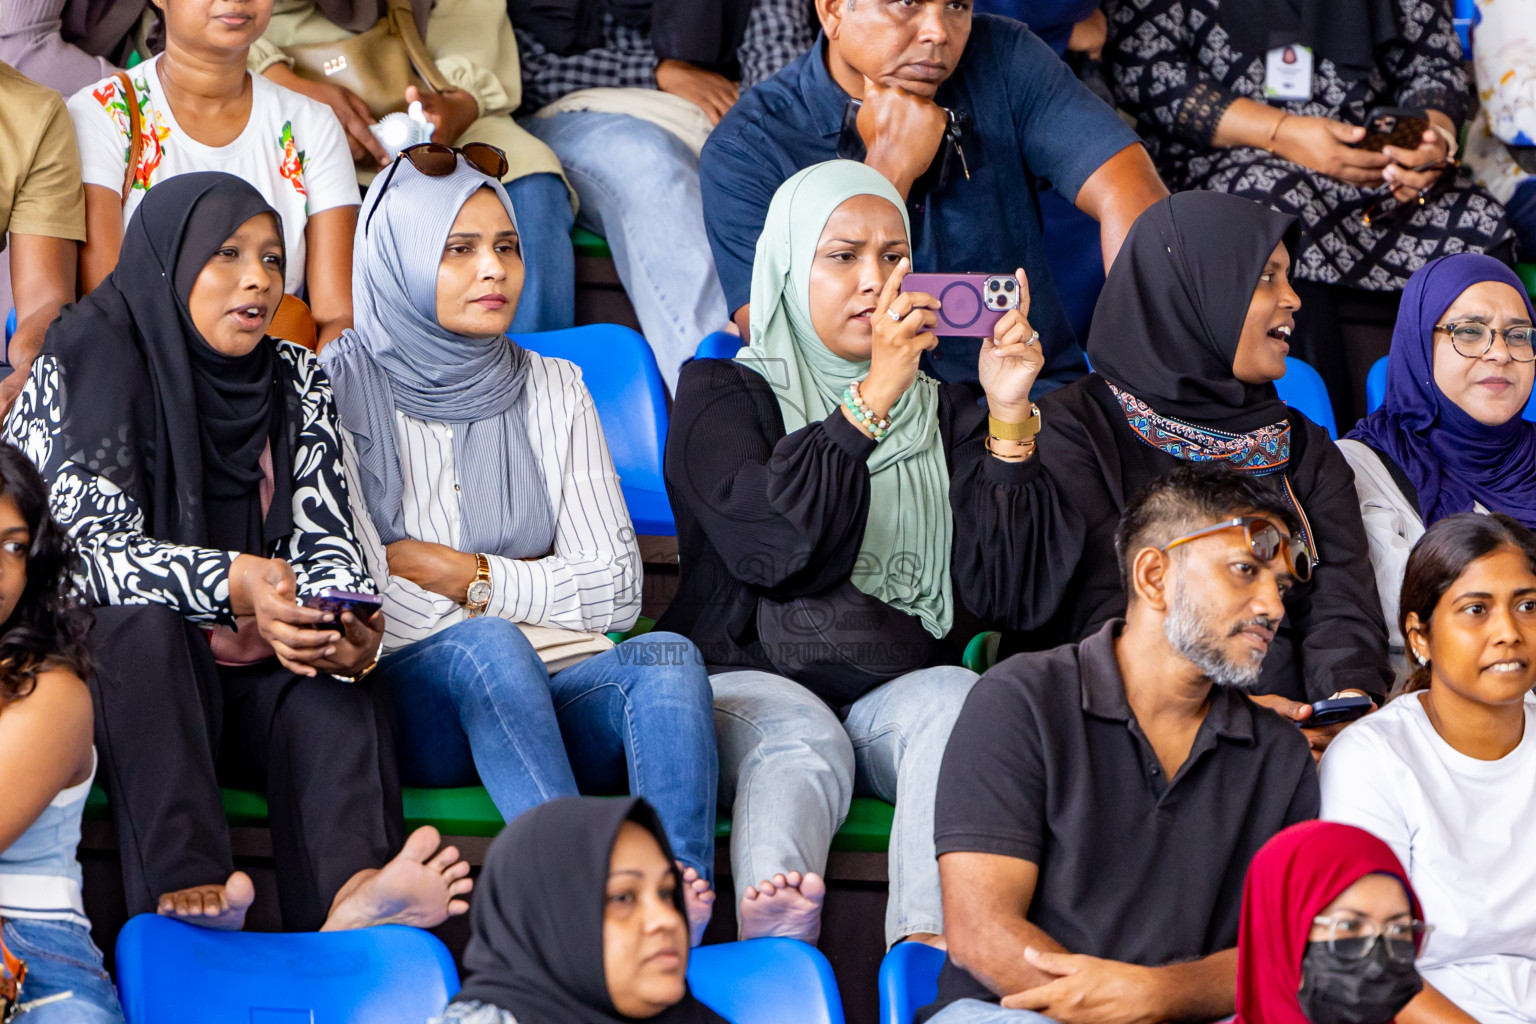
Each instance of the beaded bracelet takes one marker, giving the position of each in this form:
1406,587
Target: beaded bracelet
852,401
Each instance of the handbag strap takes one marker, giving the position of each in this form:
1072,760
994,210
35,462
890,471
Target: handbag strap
135,133
402,18
14,975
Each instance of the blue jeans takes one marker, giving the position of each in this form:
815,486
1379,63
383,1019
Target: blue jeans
66,982
544,219
474,699
974,1011
790,770
639,188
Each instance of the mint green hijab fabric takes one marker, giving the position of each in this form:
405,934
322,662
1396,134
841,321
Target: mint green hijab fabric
904,559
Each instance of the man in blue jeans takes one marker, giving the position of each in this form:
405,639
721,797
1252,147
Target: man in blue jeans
963,114
638,182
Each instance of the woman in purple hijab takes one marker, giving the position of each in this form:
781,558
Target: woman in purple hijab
1450,436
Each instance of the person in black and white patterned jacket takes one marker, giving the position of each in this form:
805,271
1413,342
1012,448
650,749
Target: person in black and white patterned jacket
197,466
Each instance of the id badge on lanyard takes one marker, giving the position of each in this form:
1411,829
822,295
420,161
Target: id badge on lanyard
1288,73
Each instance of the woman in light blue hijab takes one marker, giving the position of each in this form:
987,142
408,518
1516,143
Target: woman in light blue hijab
493,516
837,509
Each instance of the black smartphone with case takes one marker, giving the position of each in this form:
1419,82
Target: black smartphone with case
337,601
1338,709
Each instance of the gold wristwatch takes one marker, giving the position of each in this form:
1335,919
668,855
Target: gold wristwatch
479,593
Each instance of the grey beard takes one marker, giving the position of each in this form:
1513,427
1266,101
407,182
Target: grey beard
1197,641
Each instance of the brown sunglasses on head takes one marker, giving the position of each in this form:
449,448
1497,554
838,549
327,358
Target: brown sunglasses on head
1264,540
436,160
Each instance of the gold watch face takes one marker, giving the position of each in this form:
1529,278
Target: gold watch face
479,592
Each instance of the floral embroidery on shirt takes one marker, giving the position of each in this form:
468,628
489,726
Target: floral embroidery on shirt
292,165
152,129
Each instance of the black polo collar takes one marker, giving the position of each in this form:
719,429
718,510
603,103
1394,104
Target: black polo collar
1230,715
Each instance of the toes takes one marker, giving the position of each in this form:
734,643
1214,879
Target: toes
420,844
795,878
461,887
814,887
750,894
239,890
446,856
780,881
457,907
456,870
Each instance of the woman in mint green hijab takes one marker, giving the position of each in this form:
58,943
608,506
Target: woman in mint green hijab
838,513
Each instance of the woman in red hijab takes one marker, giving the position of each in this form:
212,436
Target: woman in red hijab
1330,930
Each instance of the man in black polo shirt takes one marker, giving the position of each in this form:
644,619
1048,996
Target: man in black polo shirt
965,116
1099,803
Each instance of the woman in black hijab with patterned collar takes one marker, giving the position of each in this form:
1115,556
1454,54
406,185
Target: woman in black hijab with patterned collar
579,919
195,462
1188,337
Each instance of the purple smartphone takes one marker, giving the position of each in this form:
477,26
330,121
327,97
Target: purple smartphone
970,305
337,601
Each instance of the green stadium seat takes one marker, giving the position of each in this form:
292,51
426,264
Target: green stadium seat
1527,272
468,811
588,244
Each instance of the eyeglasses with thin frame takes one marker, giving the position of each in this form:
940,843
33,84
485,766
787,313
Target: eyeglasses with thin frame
1353,938
436,160
1472,340
1264,540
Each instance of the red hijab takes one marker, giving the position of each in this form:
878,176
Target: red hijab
1292,878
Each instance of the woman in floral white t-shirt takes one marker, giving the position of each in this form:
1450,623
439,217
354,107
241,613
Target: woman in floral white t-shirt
200,110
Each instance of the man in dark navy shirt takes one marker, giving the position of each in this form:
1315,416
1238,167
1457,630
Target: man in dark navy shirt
1099,803
965,116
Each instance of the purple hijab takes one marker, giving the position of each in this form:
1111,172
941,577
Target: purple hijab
1452,459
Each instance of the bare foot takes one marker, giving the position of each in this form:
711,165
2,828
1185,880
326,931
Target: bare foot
788,906
212,906
699,900
927,939
416,888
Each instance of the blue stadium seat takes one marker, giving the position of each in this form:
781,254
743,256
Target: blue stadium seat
719,345
1376,390
1376,385
909,981
1302,389
174,973
10,324
631,400
1465,15
765,981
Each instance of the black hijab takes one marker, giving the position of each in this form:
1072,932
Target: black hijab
155,409
1346,32
536,927
702,32
1168,321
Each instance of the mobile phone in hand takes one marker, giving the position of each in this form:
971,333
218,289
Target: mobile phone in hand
1402,127
337,601
970,305
1338,709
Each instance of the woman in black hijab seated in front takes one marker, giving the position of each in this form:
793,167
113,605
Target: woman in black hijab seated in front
1188,338
196,465
579,919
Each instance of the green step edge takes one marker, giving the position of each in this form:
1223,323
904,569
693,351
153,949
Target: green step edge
468,811
588,244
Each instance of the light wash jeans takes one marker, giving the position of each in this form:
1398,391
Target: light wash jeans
544,219
639,188
66,982
789,770
974,1011
475,699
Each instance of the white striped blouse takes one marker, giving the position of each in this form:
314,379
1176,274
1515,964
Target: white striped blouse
589,582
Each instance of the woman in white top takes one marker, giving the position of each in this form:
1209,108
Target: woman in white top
1449,436
46,760
1446,773
484,489
201,110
